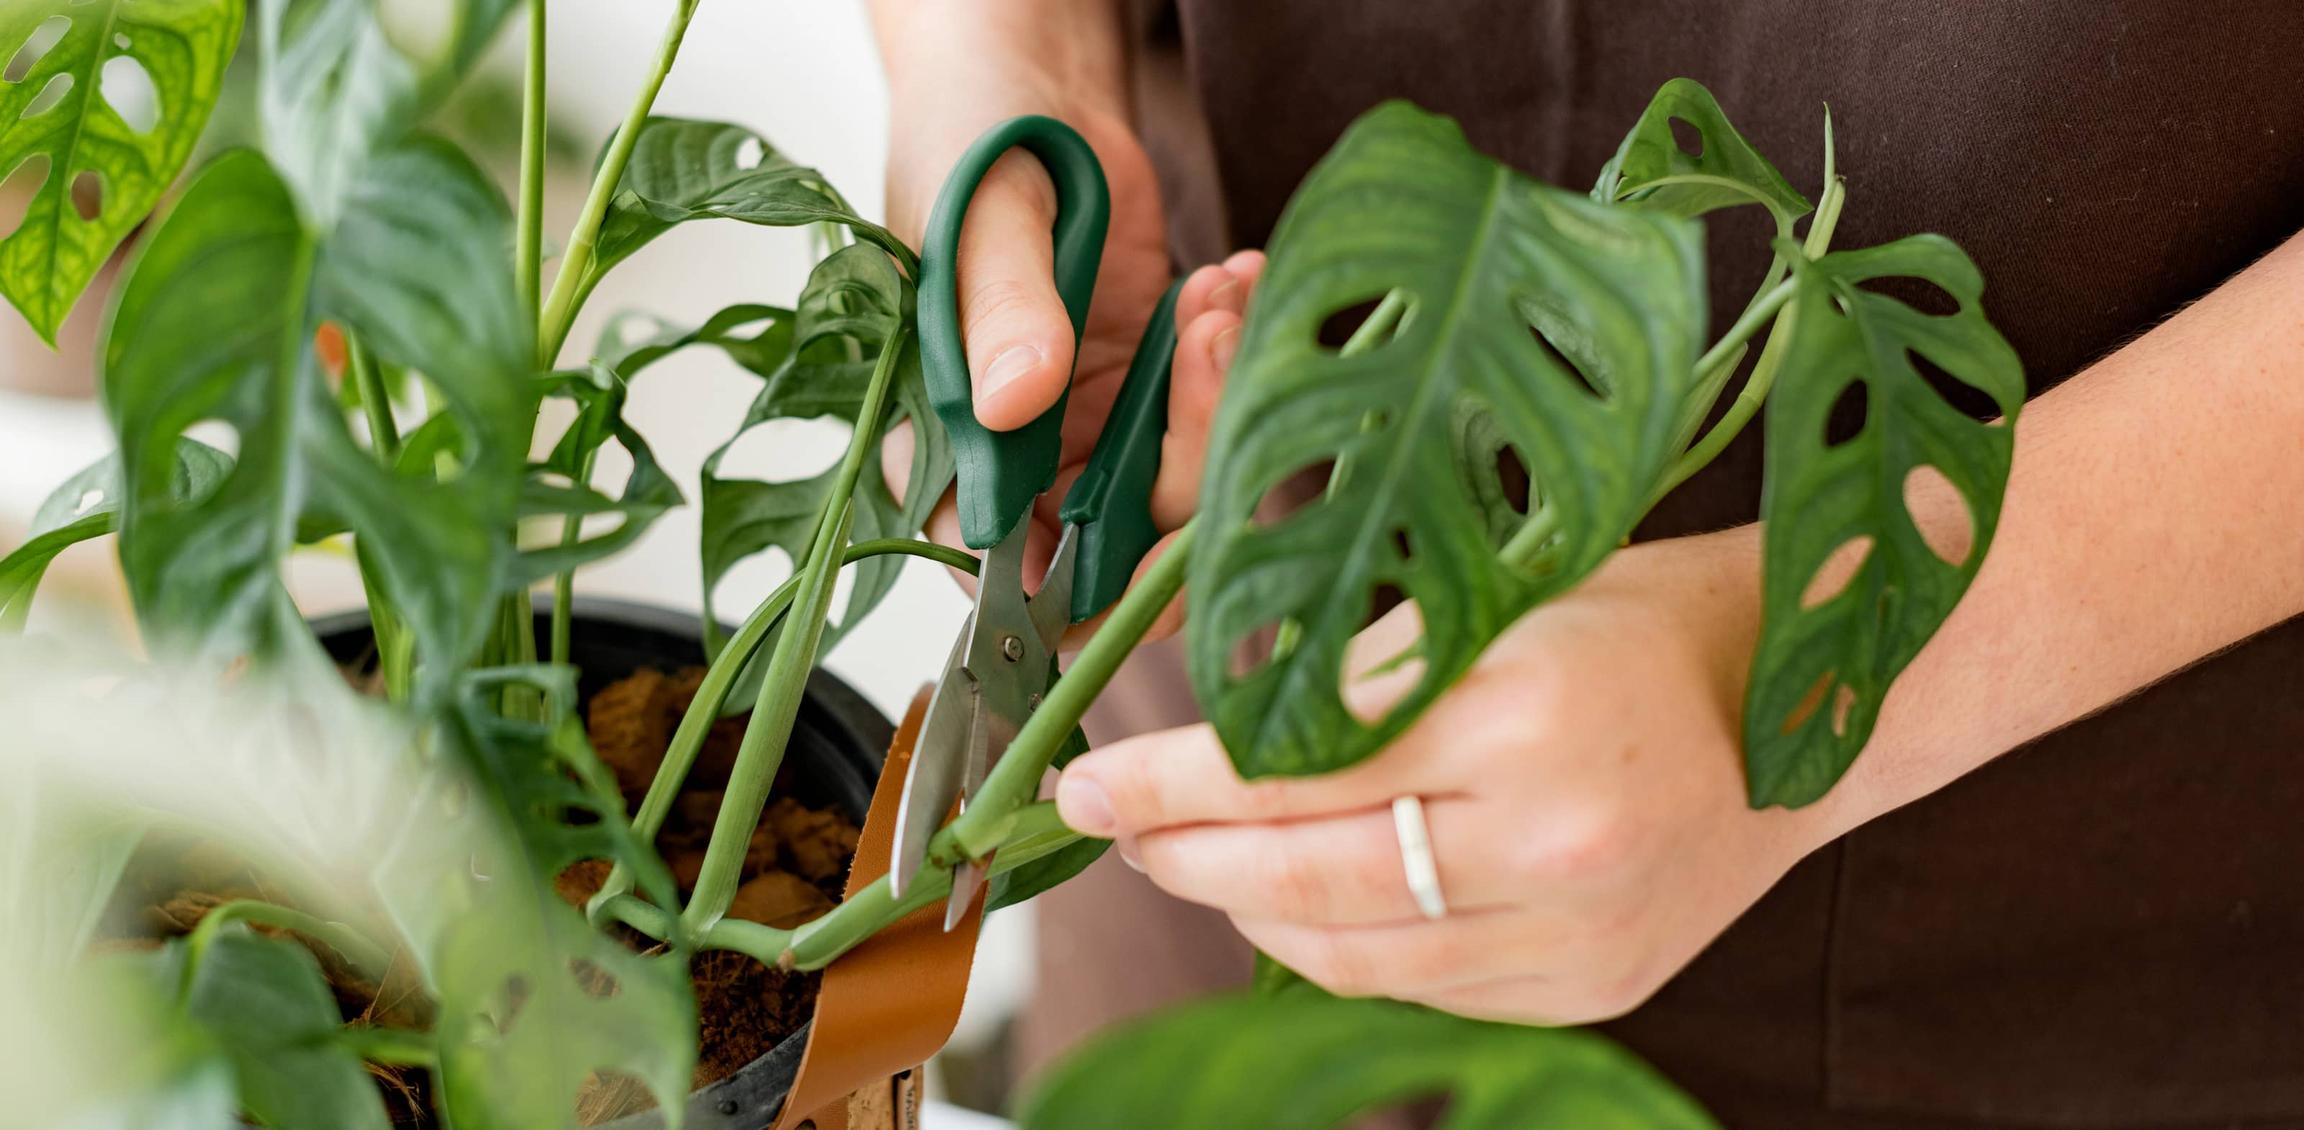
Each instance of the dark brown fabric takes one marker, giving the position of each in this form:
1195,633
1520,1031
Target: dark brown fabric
2105,929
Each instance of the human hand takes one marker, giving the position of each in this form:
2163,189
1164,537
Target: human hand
1581,783
1018,336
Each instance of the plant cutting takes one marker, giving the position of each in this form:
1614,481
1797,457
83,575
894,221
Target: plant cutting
1520,374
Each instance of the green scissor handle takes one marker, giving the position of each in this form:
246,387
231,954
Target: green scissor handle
1001,472
1111,501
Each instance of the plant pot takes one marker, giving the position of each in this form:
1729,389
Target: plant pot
837,748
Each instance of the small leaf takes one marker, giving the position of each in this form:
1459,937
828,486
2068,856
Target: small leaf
87,505
683,170
1571,326
1652,169
648,491
1303,1060
264,1001
181,47
1825,660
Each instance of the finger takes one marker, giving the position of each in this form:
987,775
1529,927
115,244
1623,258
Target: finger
896,459
1419,958
1196,383
1170,619
1542,1001
1183,776
1209,288
1330,871
1019,338
1248,267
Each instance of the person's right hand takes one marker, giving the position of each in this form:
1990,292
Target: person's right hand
1018,336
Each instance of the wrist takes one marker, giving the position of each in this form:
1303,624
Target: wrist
1064,54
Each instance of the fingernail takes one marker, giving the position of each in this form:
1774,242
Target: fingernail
1084,806
1127,849
1223,347
1226,295
1016,361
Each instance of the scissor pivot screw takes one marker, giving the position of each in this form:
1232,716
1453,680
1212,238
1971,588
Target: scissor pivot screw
1012,648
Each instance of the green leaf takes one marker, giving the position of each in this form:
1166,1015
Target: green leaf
854,299
1825,660
210,325
532,999
334,90
683,170
181,47
648,492
265,1002
215,322
416,268
1308,1061
87,505
1572,326
1652,169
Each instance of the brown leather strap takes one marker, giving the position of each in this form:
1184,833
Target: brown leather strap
891,1002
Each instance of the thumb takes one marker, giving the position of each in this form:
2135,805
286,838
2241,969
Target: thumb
1019,337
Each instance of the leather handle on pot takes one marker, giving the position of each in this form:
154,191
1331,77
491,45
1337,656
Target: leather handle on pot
890,1003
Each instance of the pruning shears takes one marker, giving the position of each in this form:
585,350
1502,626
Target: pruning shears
1004,658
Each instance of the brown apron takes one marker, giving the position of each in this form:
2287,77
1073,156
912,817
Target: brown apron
2102,929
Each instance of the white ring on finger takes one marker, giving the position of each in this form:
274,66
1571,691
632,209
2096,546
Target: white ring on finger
1416,856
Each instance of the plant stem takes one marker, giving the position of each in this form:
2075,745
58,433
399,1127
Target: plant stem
365,956
397,1046
1015,779
564,582
383,430
1776,305
528,249
778,705
704,709
576,261
1035,832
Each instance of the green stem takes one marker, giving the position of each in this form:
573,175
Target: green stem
564,582
1035,833
1775,305
704,709
576,261
397,1046
369,959
383,430
778,705
528,250
394,647
1015,779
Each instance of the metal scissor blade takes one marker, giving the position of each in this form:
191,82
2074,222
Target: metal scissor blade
940,760
967,879
1051,607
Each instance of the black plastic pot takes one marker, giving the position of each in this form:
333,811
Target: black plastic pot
837,748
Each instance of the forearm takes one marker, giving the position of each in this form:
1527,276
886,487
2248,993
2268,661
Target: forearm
1073,44
2150,521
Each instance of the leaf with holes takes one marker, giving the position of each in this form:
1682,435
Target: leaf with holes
1572,325
264,1002
1651,167
683,170
103,103
532,999
1303,1060
853,301
648,492
1826,658
215,321
88,506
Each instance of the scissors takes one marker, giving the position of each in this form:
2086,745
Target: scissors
1004,658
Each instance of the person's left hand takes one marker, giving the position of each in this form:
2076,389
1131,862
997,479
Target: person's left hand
1582,787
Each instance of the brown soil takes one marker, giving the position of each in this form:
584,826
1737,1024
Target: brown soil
793,871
